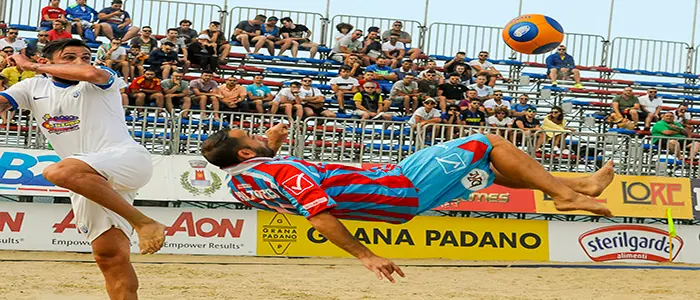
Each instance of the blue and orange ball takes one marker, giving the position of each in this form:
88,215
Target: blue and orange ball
533,34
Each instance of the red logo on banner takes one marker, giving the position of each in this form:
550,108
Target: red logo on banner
629,242
14,224
204,227
66,223
494,198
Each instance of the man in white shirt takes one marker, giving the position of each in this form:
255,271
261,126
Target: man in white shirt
483,66
312,100
483,91
288,100
652,104
681,115
13,41
394,50
80,111
497,101
427,114
342,85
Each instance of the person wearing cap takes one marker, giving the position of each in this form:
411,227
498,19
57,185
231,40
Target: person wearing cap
116,23
529,124
272,37
180,46
369,103
299,35
163,59
215,34
427,114
249,31
203,52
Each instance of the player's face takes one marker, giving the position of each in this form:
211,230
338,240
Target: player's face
253,143
72,55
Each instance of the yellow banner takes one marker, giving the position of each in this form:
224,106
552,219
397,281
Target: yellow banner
635,196
422,237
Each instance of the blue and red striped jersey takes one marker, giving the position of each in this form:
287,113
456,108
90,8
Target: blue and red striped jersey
291,185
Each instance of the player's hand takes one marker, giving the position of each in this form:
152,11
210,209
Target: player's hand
278,132
382,267
20,61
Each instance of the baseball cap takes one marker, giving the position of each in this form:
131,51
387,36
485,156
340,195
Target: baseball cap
429,100
531,109
203,37
273,18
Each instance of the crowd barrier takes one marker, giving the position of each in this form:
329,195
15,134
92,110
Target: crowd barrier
652,55
414,28
47,227
314,21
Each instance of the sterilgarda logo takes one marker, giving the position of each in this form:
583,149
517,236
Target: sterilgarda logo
279,233
522,30
628,242
60,124
198,181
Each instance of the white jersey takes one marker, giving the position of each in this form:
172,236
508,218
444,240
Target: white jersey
77,119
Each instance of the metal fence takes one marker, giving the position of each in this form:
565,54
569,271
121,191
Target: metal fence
587,50
314,21
652,55
414,28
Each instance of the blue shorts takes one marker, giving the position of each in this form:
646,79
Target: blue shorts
450,170
119,33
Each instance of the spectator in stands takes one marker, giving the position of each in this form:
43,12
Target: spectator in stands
405,92
312,100
177,93
349,45
452,115
163,59
372,46
147,86
471,96
483,91
9,116
52,13
427,87
652,105
465,73
59,31
259,95
179,46
369,103
113,56
116,23
288,99
203,52
393,49
426,114
472,116
451,92
561,65
3,83
482,66
217,36
355,63
404,37
36,45
432,65
300,35
186,33
529,125
500,118
555,125
3,58
14,74
17,44
250,31
368,76
518,109
82,16
681,115
458,59
667,128
145,43
344,30
627,105
204,90
272,37
342,85
382,71
232,95
136,59
497,101
405,69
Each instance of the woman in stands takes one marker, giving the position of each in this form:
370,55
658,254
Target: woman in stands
555,125
343,30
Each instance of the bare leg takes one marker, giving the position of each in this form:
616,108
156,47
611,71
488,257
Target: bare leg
513,163
111,252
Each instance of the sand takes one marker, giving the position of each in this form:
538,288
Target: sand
50,275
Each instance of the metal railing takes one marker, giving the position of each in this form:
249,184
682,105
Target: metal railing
314,21
652,55
414,28
587,50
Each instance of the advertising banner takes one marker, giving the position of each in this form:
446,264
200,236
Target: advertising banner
635,196
423,237
196,179
494,198
695,194
51,227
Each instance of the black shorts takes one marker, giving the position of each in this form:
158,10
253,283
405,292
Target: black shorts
317,111
249,106
642,114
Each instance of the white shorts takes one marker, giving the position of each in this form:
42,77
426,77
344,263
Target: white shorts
127,169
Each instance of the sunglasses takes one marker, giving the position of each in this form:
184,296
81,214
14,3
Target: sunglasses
561,49
307,80
43,35
12,33
146,31
530,110
483,55
497,95
555,112
397,25
430,103
369,88
9,51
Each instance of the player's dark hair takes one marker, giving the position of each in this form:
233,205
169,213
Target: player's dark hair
221,150
59,45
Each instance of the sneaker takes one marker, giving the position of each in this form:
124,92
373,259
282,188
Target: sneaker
566,152
554,83
578,86
378,116
556,150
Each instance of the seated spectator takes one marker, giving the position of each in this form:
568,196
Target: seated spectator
500,118
259,95
627,105
481,66
52,13
530,125
652,106
136,59
300,35
179,46
472,116
163,59
556,130
223,48
518,109
204,90
36,45
681,115
343,29
115,23
8,117
203,52
272,37
458,59
406,68
4,57
561,66
405,92
355,63
113,56
427,87
370,104
451,92
14,74
147,86
11,40
372,45
667,129
177,94
426,114
83,17
231,95
471,96
349,45
431,65
288,99
145,42
368,76
186,33
404,37
3,83
312,100
497,101
342,85
465,74
393,49
382,71
483,91
59,31
452,116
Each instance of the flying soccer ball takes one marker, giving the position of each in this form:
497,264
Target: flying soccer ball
533,34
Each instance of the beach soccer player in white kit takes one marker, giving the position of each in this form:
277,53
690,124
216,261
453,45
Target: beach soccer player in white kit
78,108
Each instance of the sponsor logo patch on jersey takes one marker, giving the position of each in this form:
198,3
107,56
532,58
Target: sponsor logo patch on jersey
61,124
476,180
297,184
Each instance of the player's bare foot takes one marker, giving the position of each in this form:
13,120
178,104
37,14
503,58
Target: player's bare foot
598,182
151,237
582,202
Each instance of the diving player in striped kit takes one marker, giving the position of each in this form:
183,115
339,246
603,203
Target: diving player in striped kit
324,193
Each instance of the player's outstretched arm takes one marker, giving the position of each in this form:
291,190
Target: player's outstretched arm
76,72
334,231
276,136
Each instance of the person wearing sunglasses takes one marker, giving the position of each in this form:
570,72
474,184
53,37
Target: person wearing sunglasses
497,101
652,105
403,37
36,45
12,40
556,130
313,101
529,124
116,23
681,115
481,66
369,103
561,65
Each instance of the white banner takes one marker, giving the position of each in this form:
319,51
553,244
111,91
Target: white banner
51,227
601,242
